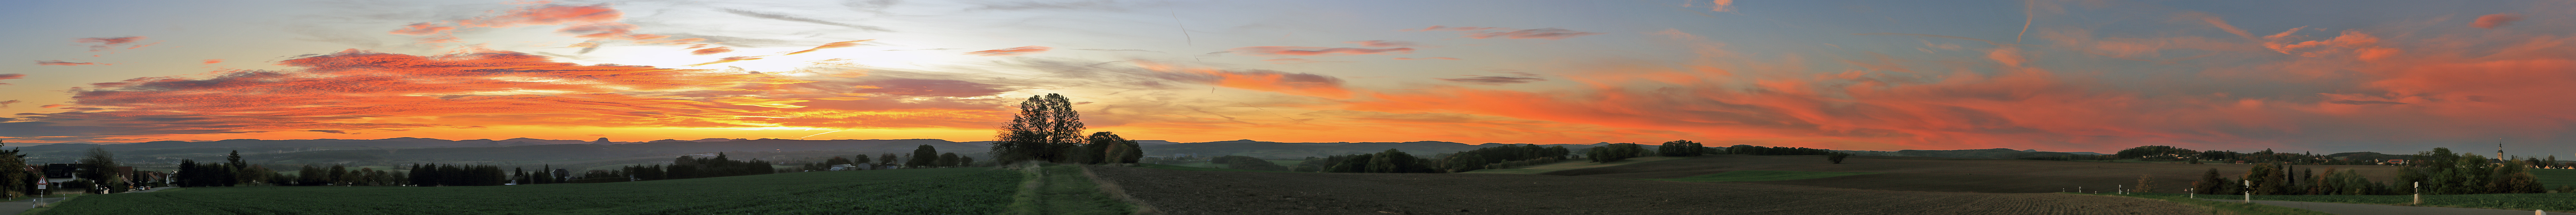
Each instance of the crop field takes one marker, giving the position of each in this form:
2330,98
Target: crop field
2522,201
1172,167
910,191
1571,164
1063,190
2555,177
1761,175
1246,193
1949,175
2220,207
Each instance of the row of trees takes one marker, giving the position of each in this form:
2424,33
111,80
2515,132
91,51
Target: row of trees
1614,152
1049,130
1681,148
1501,157
312,175
1389,161
2439,171
434,175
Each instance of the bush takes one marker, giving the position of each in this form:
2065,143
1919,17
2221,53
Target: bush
1837,157
1614,152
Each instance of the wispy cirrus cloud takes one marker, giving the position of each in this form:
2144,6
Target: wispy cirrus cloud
1013,51
62,63
1384,43
2495,20
840,44
1314,51
105,43
1493,80
791,18
1508,33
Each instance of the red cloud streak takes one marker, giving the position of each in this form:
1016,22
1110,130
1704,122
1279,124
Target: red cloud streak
2495,20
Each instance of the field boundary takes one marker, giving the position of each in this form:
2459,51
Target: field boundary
1118,192
1032,178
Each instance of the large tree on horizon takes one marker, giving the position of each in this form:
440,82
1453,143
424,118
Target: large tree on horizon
1046,127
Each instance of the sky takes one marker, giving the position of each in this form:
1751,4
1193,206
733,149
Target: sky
2297,76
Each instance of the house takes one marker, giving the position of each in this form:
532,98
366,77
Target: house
842,167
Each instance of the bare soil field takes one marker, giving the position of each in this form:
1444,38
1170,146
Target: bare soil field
1214,192
1953,174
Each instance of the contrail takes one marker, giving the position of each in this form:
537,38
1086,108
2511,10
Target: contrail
2026,17
826,132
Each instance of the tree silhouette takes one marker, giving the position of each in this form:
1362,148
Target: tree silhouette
1680,148
923,156
1044,129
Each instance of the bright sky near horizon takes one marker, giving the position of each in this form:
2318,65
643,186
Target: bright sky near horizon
2324,76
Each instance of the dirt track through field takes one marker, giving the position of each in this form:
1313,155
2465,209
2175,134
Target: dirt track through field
1211,192
1954,175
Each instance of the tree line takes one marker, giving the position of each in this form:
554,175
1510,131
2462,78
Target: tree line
1389,161
2439,171
1503,157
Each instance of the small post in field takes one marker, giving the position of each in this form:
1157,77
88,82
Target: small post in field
2419,192
2249,191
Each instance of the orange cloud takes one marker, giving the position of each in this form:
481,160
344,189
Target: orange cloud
61,63
1383,43
1262,80
422,29
213,61
1013,51
105,43
7,76
1314,51
831,45
709,51
728,60
1297,61
546,14
2495,20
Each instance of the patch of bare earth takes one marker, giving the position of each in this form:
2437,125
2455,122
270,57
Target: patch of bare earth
1953,175
1210,192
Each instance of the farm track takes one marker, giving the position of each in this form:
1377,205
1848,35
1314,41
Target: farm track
1952,175
1212,192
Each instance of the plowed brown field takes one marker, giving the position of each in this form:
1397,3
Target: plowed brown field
1952,175
1212,192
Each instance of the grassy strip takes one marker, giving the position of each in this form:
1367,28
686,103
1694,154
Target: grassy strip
1171,167
2520,202
906,191
2552,178
1759,175
2218,207
1063,189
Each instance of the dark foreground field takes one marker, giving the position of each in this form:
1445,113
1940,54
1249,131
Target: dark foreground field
908,191
1952,175
1215,192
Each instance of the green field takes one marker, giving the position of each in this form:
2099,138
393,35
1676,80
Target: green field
909,191
1759,175
2525,201
2219,207
1572,164
1064,190
2555,177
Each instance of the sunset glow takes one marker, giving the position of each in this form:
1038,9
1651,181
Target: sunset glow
2397,76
